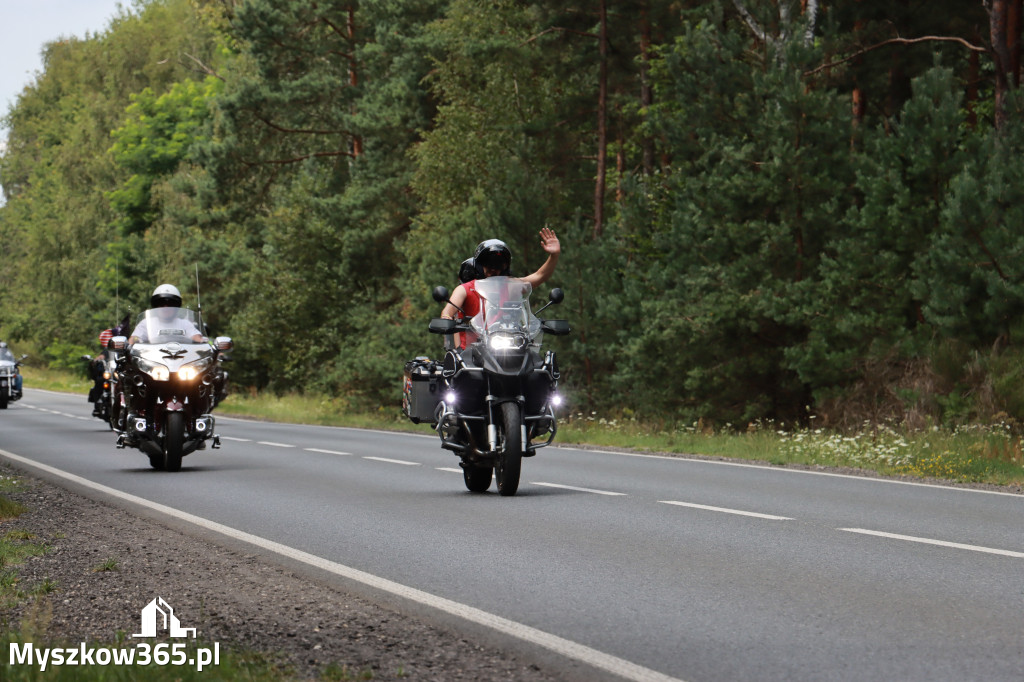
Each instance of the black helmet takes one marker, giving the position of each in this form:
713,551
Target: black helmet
165,295
492,253
467,271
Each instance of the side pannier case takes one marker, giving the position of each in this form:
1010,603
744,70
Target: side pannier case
422,390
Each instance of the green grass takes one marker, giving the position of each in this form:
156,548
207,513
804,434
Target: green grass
304,409
975,454
978,454
15,546
10,509
55,380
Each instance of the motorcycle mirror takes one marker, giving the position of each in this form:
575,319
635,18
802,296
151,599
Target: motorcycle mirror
118,342
223,343
87,358
440,294
556,296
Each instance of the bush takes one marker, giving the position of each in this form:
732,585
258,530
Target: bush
67,356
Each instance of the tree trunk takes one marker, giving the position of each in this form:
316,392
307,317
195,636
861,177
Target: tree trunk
998,18
602,124
646,94
353,73
1013,27
973,67
857,97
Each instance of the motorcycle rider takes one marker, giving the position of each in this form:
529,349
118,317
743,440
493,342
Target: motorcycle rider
97,366
166,299
493,258
6,354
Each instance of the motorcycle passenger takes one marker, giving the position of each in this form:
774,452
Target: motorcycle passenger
166,299
493,258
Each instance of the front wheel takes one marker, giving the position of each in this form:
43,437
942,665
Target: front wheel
174,441
510,459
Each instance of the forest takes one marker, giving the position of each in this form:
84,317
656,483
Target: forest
768,209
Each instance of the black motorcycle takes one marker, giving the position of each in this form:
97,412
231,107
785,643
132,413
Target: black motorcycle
102,370
167,387
493,402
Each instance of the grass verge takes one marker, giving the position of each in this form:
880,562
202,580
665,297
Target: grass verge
973,454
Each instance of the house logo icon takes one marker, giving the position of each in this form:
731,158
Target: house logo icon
158,614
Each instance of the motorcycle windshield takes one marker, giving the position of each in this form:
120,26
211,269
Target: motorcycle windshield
6,355
167,325
505,308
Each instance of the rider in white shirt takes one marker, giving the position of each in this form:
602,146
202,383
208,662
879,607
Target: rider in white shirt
166,300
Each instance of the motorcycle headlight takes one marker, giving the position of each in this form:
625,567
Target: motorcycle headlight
193,369
507,342
154,369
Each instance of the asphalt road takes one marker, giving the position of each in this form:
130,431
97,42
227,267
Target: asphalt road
687,569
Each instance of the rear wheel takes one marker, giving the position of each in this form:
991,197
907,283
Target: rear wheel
478,479
174,441
510,459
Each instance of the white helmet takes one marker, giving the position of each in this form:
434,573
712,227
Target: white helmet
165,295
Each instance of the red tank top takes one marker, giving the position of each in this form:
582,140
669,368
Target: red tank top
472,304
471,307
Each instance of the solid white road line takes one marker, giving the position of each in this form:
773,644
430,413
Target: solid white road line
559,645
327,452
724,510
393,461
572,487
784,471
940,543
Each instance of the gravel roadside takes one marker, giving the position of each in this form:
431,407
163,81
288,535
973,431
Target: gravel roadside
232,597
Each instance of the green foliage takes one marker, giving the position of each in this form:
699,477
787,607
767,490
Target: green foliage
741,224
67,356
764,252
56,172
972,269
156,137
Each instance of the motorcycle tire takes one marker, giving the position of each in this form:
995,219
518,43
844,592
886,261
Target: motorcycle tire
510,459
4,398
478,479
174,441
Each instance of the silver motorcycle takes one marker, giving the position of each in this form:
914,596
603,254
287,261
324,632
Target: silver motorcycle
10,377
168,385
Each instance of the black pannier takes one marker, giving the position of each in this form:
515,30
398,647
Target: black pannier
422,390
